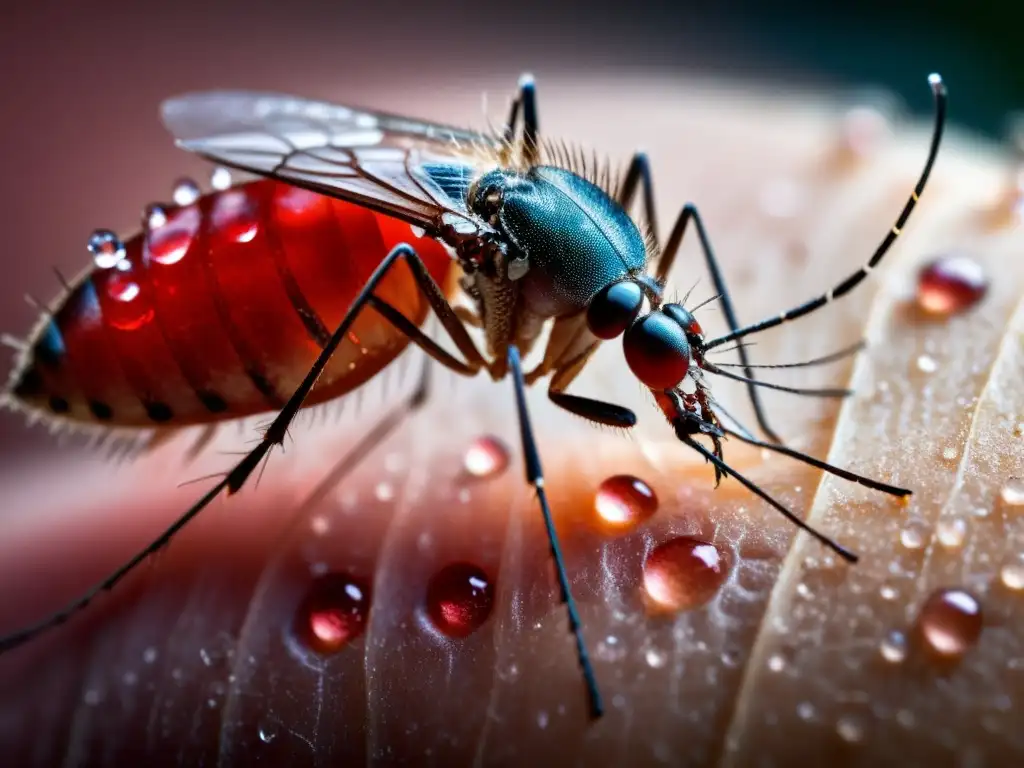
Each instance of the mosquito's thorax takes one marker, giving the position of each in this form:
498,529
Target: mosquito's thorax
565,238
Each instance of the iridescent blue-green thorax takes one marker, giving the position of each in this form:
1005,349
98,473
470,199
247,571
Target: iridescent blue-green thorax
575,237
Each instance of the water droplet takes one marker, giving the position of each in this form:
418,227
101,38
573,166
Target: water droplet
384,491
906,718
542,719
486,457
950,622
154,216
267,731
683,573
1012,492
776,662
805,710
1012,573
950,284
106,249
333,612
205,656
914,534
949,453
220,179
92,697
849,729
950,531
610,649
235,216
185,192
887,592
459,599
319,525
655,658
149,655
927,364
122,288
624,501
894,647
169,243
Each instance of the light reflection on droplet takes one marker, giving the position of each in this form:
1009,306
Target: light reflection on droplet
149,655
1012,573
220,178
487,456
927,364
624,501
267,731
914,534
950,284
106,249
776,662
951,531
655,658
683,573
333,613
459,599
185,192
1012,492
894,647
849,729
951,622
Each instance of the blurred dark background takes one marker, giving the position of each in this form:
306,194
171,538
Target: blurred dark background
81,145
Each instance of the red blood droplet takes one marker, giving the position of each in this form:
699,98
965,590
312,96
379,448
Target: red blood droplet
684,572
624,501
459,599
950,284
333,612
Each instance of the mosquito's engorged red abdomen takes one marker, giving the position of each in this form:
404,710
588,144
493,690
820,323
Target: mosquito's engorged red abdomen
220,311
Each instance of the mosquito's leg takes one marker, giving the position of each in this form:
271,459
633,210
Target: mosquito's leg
274,435
524,106
535,477
851,282
639,172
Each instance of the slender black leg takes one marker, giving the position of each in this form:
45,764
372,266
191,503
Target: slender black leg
525,106
597,411
535,477
274,435
639,172
851,282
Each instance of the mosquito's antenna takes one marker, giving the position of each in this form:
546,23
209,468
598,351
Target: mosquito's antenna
751,486
735,347
824,360
851,282
853,477
712,368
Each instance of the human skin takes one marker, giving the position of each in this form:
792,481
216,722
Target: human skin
190,661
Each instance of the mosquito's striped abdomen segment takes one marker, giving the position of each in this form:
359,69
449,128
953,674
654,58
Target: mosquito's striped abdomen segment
219,311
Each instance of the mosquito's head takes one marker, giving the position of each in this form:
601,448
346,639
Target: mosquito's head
660,345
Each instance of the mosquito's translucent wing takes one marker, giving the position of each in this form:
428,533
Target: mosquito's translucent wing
410,169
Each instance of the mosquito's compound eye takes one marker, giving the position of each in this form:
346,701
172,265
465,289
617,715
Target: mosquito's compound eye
657,351
614,309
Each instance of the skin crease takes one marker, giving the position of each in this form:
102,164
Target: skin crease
190,660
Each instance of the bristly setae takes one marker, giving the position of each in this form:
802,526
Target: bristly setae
542,236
